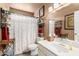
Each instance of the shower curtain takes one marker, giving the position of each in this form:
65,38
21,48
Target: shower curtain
24,30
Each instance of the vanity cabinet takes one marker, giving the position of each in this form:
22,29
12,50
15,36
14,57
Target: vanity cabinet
42,51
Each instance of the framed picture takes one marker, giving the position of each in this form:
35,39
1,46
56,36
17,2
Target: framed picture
69,22
41,11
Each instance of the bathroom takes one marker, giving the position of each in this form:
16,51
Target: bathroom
39,29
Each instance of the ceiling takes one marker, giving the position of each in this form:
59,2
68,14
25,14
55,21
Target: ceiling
30,7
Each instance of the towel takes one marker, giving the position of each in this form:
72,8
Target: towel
5,32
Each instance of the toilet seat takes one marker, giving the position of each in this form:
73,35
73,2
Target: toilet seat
32,46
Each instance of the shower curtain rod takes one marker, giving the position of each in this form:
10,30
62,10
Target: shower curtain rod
22,14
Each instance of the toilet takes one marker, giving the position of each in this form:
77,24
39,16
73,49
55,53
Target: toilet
33,48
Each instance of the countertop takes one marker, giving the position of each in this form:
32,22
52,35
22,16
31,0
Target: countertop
54,47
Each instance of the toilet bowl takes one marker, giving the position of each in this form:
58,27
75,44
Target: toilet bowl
33,48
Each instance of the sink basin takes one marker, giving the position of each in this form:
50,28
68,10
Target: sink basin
60,48
64,48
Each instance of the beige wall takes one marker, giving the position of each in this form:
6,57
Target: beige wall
21,12
29,7
5,6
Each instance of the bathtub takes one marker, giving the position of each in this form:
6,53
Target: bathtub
57,48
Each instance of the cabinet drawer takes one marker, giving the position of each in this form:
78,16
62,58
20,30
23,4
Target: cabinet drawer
45,51
40,53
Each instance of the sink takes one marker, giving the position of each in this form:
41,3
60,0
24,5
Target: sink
67,48
60,48
64,48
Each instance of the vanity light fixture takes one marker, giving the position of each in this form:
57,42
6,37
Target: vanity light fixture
58,6
50,9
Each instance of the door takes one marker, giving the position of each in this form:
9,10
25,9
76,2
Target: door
76,26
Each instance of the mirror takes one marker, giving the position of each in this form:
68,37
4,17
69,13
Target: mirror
56,28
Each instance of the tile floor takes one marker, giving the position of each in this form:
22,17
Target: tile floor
24,54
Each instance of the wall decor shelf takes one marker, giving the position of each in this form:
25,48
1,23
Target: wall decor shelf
41,27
